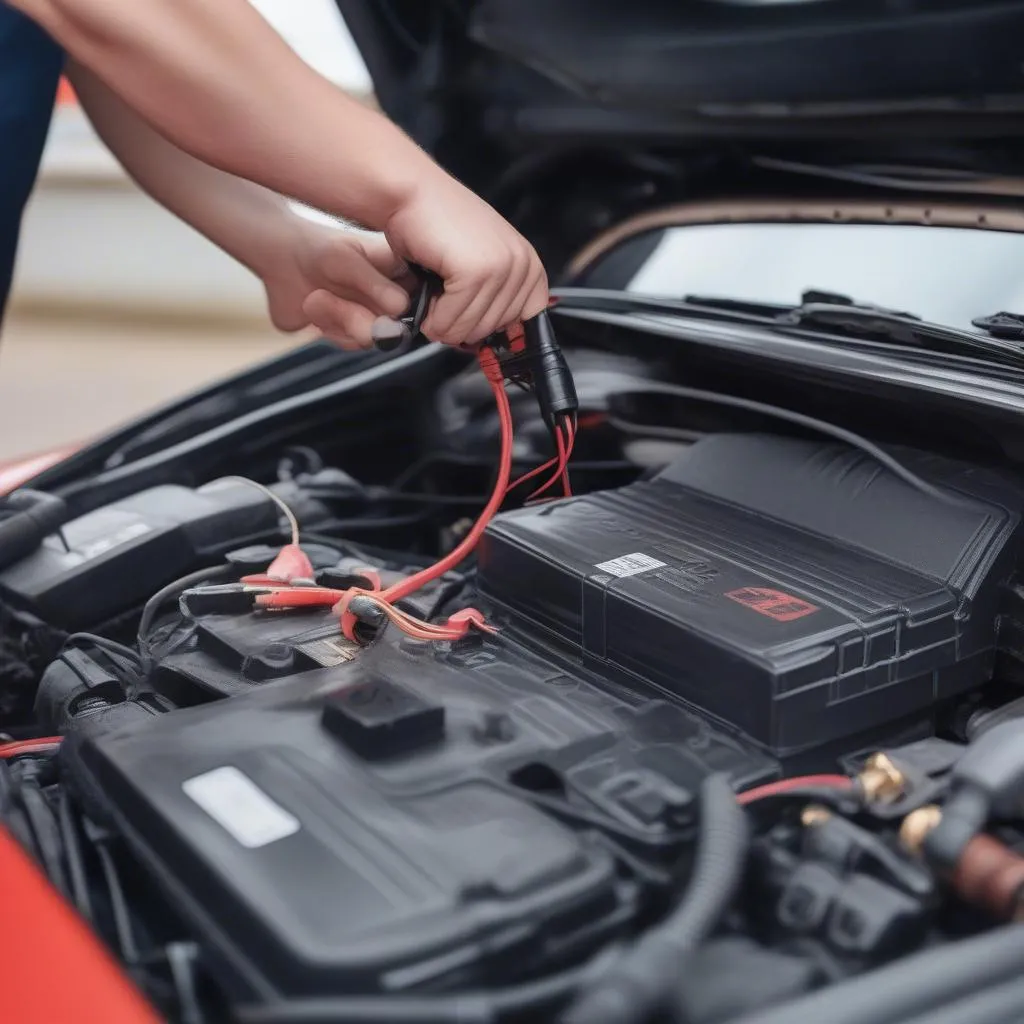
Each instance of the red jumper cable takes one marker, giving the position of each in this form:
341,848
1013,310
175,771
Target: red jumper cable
528,355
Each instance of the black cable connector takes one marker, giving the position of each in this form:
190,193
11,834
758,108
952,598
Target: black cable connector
550,373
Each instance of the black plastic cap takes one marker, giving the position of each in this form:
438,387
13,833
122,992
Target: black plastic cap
552,378
380,719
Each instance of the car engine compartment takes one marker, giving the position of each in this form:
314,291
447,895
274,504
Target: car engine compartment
747,731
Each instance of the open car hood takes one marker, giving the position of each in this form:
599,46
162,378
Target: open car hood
704,68
568,115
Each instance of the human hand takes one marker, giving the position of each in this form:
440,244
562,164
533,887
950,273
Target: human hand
339,281
492,275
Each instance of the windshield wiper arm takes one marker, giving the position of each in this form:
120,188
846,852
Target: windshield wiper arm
818,311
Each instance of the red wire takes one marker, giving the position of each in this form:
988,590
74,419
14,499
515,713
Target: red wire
570,430
36,746
564,450
286,597
536,471
556,476
492,370
841,782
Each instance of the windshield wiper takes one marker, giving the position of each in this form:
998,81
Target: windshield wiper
817,312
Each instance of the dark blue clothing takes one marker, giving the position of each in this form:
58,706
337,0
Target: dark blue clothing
30,68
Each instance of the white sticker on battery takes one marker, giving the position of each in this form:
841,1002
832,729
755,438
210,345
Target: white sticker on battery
240,807
630,565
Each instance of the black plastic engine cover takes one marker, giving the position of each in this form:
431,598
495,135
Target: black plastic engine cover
795,590
415,817
115,557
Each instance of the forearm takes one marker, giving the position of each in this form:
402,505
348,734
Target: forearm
246,220
219,82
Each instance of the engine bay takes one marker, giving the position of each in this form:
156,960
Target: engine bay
742,705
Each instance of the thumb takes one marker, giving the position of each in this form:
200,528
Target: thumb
350,324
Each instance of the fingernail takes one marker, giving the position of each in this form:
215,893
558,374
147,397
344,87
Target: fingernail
388,333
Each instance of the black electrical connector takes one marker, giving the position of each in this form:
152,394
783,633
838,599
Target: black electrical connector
552,379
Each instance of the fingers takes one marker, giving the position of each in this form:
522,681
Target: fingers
535,296
492,276
511,285
507,307
458,310
382,256
358,273
347,323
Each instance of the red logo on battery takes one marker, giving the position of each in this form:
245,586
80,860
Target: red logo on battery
775,604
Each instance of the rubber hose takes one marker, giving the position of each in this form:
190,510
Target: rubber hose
913,986
646,975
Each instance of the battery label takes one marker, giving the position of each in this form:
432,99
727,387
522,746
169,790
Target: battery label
630,565
240,807
774,604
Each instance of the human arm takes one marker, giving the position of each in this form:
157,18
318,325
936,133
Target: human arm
293,256
217,81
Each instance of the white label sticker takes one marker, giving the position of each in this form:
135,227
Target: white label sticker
630,565
238,805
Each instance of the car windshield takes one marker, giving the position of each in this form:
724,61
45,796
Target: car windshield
946,275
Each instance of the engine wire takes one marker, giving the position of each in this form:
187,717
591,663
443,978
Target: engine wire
284,594
73,855
42,745
834,782
492,371
156,602
286,511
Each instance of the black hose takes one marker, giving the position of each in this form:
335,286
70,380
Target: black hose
46,831
525,1001
119,909
645,976
984,721
73,855
911,987
121,655
156,602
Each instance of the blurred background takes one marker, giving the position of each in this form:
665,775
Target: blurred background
118,306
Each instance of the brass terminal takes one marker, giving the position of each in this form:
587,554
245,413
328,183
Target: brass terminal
814,814
916,827
881,781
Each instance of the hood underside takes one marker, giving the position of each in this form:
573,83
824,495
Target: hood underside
706,67
571,115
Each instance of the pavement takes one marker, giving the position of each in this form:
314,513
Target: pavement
66,381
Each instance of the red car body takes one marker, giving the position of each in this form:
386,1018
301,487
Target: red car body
16,472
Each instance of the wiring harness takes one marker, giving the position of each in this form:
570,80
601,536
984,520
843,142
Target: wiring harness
527,356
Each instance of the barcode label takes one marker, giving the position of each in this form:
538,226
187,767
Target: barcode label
240,807
630,565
